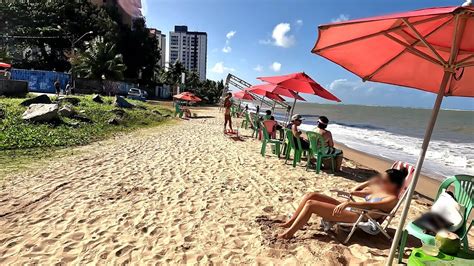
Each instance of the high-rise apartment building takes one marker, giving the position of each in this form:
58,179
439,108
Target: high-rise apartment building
161,38
190,49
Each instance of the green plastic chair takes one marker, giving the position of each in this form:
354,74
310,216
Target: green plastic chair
464,194
291,145
233,112
178,111
246,121
319,150
267,140
256,126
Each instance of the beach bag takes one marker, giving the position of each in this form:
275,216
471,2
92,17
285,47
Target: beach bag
447,207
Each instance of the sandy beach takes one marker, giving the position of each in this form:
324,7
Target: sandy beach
181,193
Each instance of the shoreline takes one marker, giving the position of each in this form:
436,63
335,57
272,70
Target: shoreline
426,186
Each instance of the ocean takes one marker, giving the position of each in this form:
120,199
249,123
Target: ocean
396,133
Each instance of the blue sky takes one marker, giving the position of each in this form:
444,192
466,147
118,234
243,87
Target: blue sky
252,38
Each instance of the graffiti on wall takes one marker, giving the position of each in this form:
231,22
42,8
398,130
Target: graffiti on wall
40,81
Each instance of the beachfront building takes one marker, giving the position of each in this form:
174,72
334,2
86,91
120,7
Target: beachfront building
189,48
130,10
161,38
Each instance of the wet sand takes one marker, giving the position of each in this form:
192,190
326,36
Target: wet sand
182,193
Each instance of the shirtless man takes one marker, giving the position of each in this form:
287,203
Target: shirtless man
227,116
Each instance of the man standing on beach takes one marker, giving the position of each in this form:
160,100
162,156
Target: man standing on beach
227,116
57,87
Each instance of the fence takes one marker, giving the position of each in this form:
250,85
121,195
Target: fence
106,87
40,81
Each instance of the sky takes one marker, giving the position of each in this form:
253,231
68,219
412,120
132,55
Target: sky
252,38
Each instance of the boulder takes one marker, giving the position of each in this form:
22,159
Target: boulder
96,98
71,100
122,103
114,121
43,98
82,118
39,112
66,111
119,112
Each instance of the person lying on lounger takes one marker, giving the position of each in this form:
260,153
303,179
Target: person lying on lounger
380,193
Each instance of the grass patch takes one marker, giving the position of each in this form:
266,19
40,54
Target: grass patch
17,134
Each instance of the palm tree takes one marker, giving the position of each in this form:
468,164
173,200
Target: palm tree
99,61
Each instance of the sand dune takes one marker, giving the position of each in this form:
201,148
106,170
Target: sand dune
177,194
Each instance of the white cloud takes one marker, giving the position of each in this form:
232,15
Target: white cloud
344,84
230,34
340,18
299,22
227,49
220,68
276,66
258,68
280,36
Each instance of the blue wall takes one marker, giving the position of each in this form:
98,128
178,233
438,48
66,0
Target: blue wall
40,81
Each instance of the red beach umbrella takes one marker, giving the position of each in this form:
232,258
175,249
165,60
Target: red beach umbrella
5,65
300,82
243,95
269,95
429,49
187,96
282,91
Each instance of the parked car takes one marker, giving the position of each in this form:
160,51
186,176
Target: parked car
137,94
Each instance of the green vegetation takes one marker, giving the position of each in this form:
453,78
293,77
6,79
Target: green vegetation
99,61
16,134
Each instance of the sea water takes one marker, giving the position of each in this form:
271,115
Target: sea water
396,133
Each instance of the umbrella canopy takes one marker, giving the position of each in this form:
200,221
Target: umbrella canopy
300,82
243,95
429,49
187,96
269,95
409,49
282,91
5,65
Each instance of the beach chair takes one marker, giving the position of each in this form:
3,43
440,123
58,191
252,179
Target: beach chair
178,111
246,121
291,145
256,133
464,194
366,214
270,126
268,140
319,150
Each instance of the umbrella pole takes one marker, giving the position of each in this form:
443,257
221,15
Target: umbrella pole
292,110
419,164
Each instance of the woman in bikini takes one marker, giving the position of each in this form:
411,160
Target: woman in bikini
381,193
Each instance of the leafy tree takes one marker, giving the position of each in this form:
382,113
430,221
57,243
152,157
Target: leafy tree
100,61
50,27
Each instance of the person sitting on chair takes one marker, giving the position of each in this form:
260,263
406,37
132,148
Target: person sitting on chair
296,121
321,129
380,193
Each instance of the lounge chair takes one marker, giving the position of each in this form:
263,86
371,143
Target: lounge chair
365,215
464,194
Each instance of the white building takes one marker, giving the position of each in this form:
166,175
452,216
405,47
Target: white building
190,49
161,38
